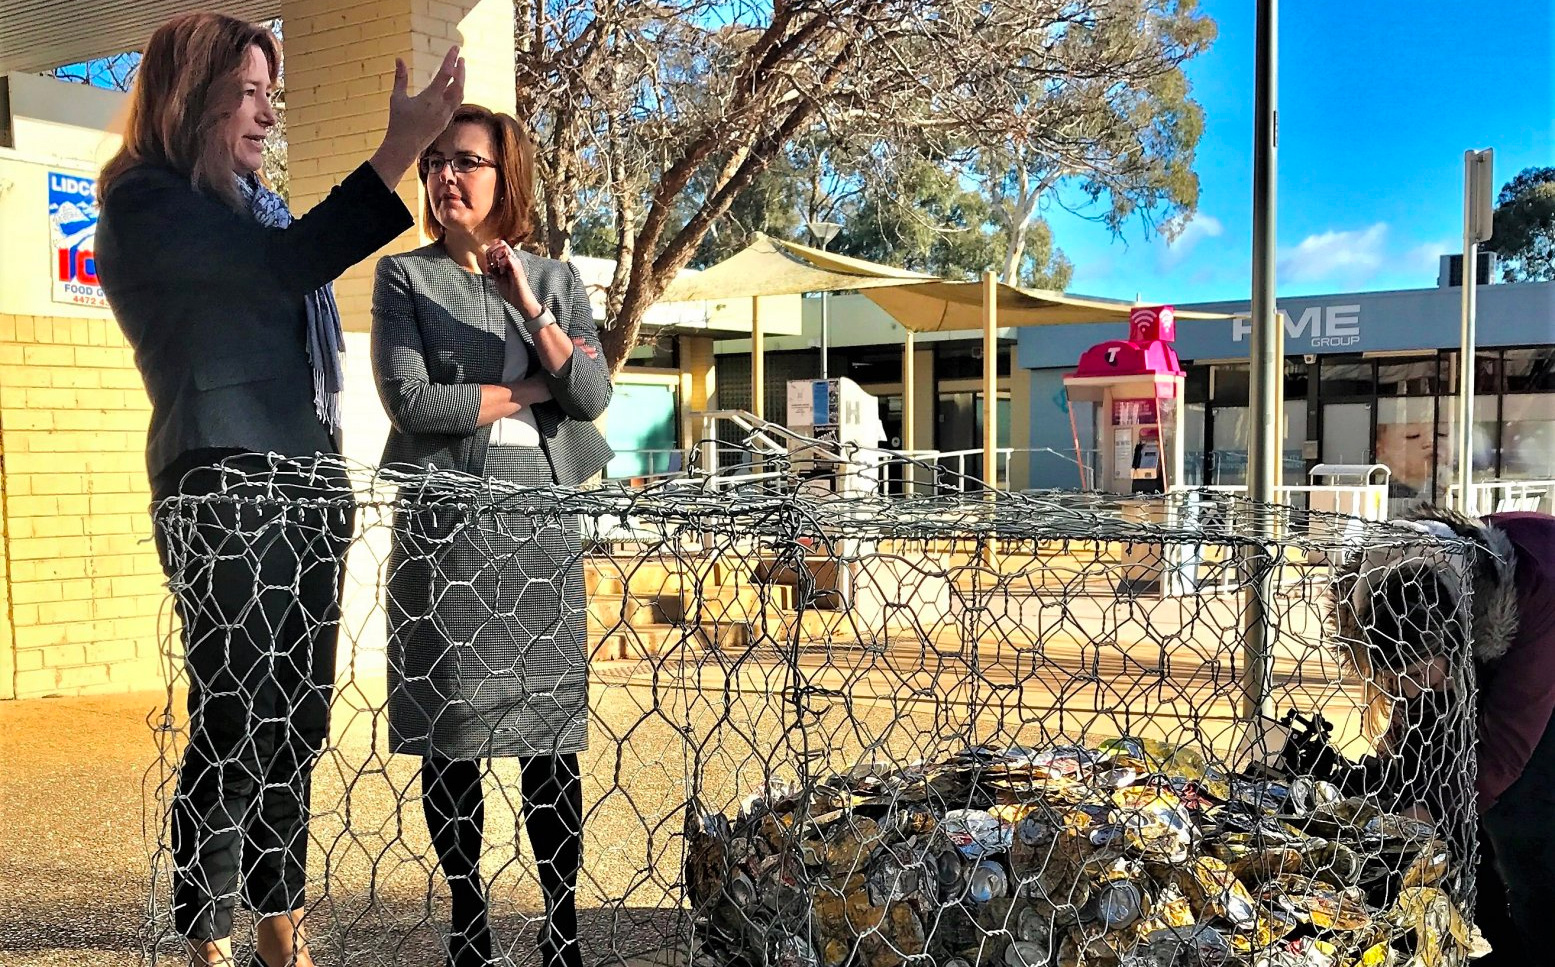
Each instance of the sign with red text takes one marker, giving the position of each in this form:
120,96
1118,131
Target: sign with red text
72,231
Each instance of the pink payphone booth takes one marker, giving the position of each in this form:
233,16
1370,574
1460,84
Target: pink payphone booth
1136,384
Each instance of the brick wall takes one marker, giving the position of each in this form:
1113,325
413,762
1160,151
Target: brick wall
81,584
339,71
83,606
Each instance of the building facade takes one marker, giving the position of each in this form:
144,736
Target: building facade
865,345
1370,377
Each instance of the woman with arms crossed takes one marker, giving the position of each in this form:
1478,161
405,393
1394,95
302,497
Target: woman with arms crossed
487,361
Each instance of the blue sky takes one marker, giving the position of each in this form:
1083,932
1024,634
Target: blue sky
1378,101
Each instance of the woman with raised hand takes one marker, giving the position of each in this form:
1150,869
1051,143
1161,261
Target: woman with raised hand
226,300
488,362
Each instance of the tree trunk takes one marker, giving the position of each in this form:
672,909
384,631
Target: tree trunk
1014,252
1022,212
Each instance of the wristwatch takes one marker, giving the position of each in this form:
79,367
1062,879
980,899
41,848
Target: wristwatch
545,318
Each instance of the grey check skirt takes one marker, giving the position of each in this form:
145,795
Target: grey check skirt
487,620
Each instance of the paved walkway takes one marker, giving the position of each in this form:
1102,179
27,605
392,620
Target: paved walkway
75,798
73,867
78,780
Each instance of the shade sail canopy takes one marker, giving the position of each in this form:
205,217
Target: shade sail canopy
768,266
944,306
920,302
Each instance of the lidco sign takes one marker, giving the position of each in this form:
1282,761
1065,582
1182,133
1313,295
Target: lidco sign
73,227
1324,327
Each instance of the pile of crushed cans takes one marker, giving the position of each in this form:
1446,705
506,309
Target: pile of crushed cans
1133,854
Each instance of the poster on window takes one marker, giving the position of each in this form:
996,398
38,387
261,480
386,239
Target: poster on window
72,231
1123,453
1133,413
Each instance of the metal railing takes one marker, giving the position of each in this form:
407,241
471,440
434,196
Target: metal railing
963,469
1228,467
647,463
1352,501
903,472
921,472
1499,496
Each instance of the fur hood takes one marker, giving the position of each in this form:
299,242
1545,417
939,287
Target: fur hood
1396,605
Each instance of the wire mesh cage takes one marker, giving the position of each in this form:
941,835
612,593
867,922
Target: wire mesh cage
810,724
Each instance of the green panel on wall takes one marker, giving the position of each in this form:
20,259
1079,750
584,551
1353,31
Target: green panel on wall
641,429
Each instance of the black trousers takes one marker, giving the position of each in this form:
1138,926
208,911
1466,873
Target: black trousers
256,577
1516,876
1516,881
455,807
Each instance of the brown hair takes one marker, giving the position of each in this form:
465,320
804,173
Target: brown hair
187,85
513,212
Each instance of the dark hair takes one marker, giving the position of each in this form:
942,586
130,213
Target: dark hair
513,212
1414,618
189,81
1404,616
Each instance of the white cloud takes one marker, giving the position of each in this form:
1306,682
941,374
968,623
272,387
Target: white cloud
1349,257
1199,228
1426,259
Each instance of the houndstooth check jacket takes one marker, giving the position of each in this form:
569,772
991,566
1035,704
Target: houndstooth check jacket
438,334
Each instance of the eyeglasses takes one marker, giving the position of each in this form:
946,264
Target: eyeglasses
462,164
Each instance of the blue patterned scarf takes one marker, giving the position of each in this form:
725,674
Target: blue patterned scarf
325,342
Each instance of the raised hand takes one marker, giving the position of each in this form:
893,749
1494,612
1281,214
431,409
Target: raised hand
420,119
508,273
415,122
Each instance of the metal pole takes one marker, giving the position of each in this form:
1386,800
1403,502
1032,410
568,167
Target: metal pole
909,391
758,361
990,377
1264,445
1472,177
824,232
1079,455
909,414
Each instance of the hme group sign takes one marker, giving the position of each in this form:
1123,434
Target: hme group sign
1323,327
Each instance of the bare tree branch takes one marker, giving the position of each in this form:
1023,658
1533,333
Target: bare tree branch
654,117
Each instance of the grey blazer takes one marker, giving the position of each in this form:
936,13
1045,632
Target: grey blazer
438,334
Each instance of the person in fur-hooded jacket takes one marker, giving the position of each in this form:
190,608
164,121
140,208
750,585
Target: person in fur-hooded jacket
1401,621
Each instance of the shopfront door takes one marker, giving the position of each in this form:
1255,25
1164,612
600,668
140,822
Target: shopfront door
1347,432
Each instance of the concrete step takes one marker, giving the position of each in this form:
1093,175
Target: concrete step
640,641
608,610
745,602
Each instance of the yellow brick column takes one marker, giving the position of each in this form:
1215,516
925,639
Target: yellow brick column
1020,423
698,385
82,586
339,59
7,632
